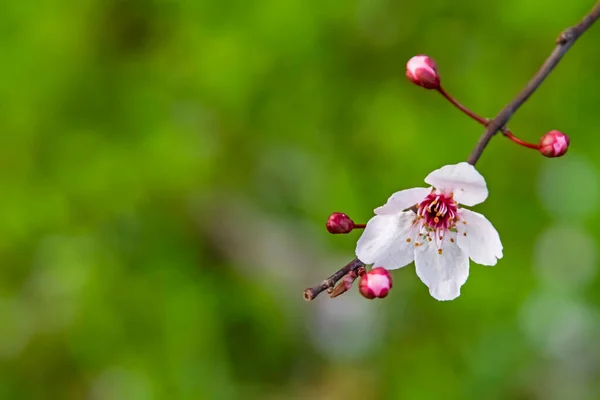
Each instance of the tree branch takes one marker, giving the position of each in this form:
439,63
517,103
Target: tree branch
330,282
563,43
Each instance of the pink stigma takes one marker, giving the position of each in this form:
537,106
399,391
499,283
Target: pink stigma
439,211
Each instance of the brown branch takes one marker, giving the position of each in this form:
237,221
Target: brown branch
563,44
330,282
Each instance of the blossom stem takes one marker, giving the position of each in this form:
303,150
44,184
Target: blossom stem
518,141
484,121
360,226
455,103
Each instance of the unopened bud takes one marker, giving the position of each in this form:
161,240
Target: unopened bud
422,71
554,144
346,282
375,283
339,223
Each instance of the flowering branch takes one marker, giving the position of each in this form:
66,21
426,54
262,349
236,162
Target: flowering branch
563,43
553,144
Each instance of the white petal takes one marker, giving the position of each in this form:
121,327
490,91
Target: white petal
402,200
444,273
383,242
463,180
481,242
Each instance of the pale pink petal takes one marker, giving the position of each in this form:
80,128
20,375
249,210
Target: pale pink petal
421,62
379,284
402,200
463,180
383,243
478,238
444,273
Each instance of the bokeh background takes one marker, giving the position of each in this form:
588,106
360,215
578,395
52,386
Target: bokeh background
167,167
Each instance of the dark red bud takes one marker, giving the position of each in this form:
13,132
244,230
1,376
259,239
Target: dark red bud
339,223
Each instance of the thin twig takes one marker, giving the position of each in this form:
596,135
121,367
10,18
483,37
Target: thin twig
515,139
563,44
483,121
330,282
462,108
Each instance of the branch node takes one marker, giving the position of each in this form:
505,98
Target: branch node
329,283
565,36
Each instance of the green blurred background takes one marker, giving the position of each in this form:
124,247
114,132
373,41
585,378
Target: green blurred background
167,168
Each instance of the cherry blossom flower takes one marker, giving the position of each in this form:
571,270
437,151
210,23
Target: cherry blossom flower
440,236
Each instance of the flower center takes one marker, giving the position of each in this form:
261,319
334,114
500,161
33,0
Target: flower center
438,211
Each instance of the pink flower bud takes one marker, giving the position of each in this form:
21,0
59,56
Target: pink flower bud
339,223
422,71
375,283
554,144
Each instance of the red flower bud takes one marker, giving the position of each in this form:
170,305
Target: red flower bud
339,223
554,144
375,283
422,71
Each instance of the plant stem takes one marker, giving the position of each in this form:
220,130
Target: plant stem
471,114
564,42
